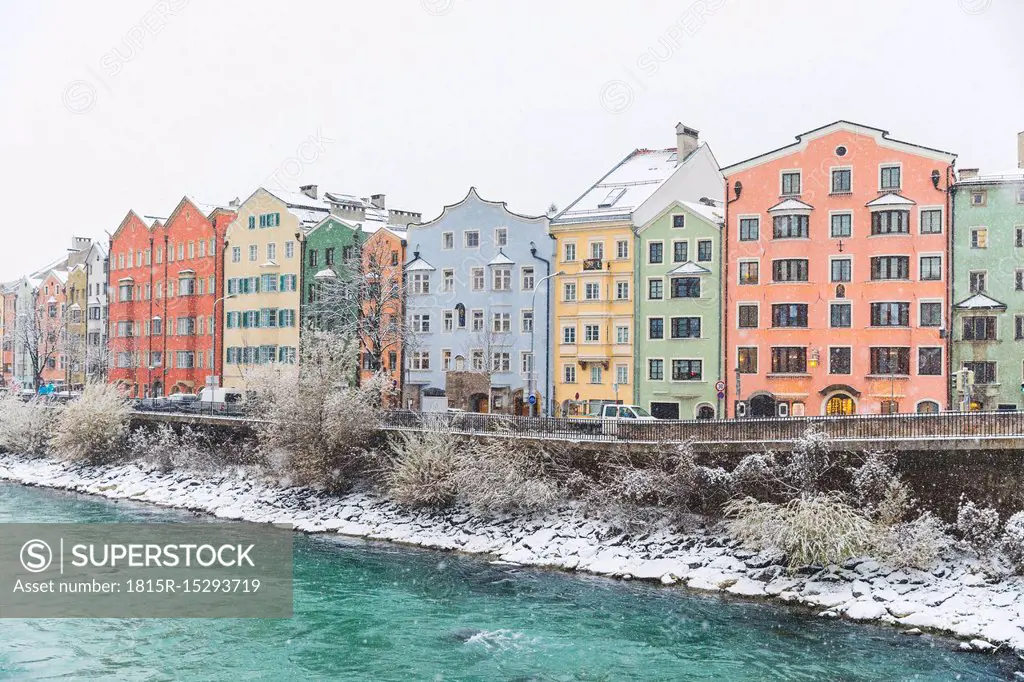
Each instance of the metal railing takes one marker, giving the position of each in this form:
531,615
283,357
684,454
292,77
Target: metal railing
873,427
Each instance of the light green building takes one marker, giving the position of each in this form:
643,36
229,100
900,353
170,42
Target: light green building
678,304
988,288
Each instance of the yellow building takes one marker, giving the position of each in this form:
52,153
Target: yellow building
262,273
73,353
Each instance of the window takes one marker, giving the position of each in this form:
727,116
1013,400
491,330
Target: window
622,291
655,252
979,237
978,280
931,314
447,241
622,249
749,272
1018,322
890,314
569,374
890,222
839,360
186,286
656,370
421,324
679,252
569,252
595,374
790,270
981,328
592,291
890,267
704,247
789,315
1019,237
272,251
842,225
931,268
687,370
655,289
184,359
746,359
501,236
420,283
984,372
840,315
569,335
448,321
656,328
622,375
329,255
842,270
254,253
314,257
929,362
790,227
447,280
476,360
678,221
526,363
502,279
748,316
685,327
685,287
569,291
446,360
889,177
528,280
289,249
420,360
842,180
478,279
750,229
979,197
621,334
471,239
394,258
789,360
931,221
501,322
591,333
501,362
893,360
526,321
791,183
1018,280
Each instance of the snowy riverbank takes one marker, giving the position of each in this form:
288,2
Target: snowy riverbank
957,597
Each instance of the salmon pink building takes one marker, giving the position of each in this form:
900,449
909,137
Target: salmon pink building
837,276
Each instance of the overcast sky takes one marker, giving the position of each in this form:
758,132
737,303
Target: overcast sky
137,103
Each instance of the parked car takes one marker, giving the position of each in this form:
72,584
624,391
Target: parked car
182,402
615,417
220,401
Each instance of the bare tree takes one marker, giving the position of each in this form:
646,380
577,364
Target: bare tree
41,332
488,352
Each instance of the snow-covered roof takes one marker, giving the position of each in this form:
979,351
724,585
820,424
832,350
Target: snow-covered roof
891,199
790,205
624,188
980,302
689,268
501,259
60,275
420,265
1014,175
715,214
298,200
206,207
149,221
325,273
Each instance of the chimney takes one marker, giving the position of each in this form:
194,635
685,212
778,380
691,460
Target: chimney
1020,150
235,203
80,243
309,191
969,173
687,140
377,200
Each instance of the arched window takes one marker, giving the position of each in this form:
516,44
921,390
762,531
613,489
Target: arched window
927,407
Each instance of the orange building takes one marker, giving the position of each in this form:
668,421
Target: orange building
50,329
837,276
382,327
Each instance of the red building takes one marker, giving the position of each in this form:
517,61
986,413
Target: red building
10,294
165,277
50,328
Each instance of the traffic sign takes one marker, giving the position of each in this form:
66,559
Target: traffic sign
720,386
721,395
532,400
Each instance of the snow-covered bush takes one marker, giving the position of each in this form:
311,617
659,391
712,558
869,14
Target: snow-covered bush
168,449
423,467
811,461
872,478
25,426
979,526
92,428
811,529
757,475
914,544
501,477
1012,541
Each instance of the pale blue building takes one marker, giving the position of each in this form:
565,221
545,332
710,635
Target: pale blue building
478,310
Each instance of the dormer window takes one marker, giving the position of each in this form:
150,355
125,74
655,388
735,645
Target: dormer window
979,198
679,220
612,196
889,178
791,183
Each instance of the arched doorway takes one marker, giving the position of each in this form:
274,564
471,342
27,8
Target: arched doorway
762,405
478,403
927,407
840,404
705,411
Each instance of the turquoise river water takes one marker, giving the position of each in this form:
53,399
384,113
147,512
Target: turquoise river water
367,611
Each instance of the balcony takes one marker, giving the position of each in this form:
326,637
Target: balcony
593,263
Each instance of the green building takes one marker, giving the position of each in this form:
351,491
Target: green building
988,289
678,311
330,265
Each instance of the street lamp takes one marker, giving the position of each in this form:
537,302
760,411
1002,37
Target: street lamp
533,355
213,364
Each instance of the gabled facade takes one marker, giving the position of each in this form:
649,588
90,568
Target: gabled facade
837,276
382,332
477,308
988,287
50,330
330,264
97,359
73,350
679,353
262,271
595,300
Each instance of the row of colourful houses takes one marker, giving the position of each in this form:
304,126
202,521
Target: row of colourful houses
847,272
